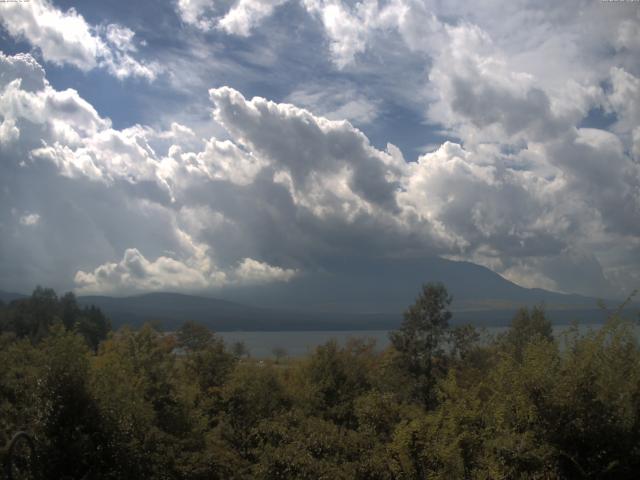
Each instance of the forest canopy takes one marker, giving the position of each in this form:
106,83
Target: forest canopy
440,402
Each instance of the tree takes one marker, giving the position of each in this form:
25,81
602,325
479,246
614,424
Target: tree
206,359
526,327
250,396
463,338
69,310
279,353
67,419
239,349
34,316
195,336
93,326
421,336
335,377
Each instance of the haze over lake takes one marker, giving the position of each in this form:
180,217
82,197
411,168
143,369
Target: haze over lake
299,344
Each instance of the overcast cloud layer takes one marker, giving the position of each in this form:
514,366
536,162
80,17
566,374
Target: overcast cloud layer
257,153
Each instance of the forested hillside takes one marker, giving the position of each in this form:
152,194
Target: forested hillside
441,402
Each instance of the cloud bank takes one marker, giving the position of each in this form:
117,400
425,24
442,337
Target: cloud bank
66,38
538,178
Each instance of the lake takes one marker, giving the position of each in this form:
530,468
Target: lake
297,344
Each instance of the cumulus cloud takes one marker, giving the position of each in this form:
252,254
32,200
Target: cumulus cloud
246,14
22,67
236,18
135,273
66,38
251,271
481,98
310,148
226,161
624,99
120,37
496,73
336,102
195,12
351,28
117,191
30,219
289,192
346,28
8,131
28,101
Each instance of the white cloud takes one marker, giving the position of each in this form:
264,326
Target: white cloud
135,273
636,143
235,18
346,28
309,147
66,38
629,35
350,28
246,14
21,67
288,189
8,131
30,219
193,12
63,37
121,37
624,99
225,161
28,101
336,102
251,272
480,98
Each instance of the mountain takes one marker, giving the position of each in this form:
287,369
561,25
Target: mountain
170,310
390,285
7,297
354,296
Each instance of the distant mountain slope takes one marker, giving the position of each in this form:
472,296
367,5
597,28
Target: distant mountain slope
170,310
6,297
390,285
356,294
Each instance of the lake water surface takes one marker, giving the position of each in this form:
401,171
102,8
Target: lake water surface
297,344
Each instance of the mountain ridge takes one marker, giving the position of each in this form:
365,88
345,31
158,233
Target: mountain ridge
355,295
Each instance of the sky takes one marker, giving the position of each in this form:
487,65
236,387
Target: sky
200,145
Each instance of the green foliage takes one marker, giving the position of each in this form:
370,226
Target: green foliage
336,377
463,340
93,326
279,353
419,341
296,446
439,403
21,366
194,336
239,349
251,396
34,317
64,424
210,363
526,327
